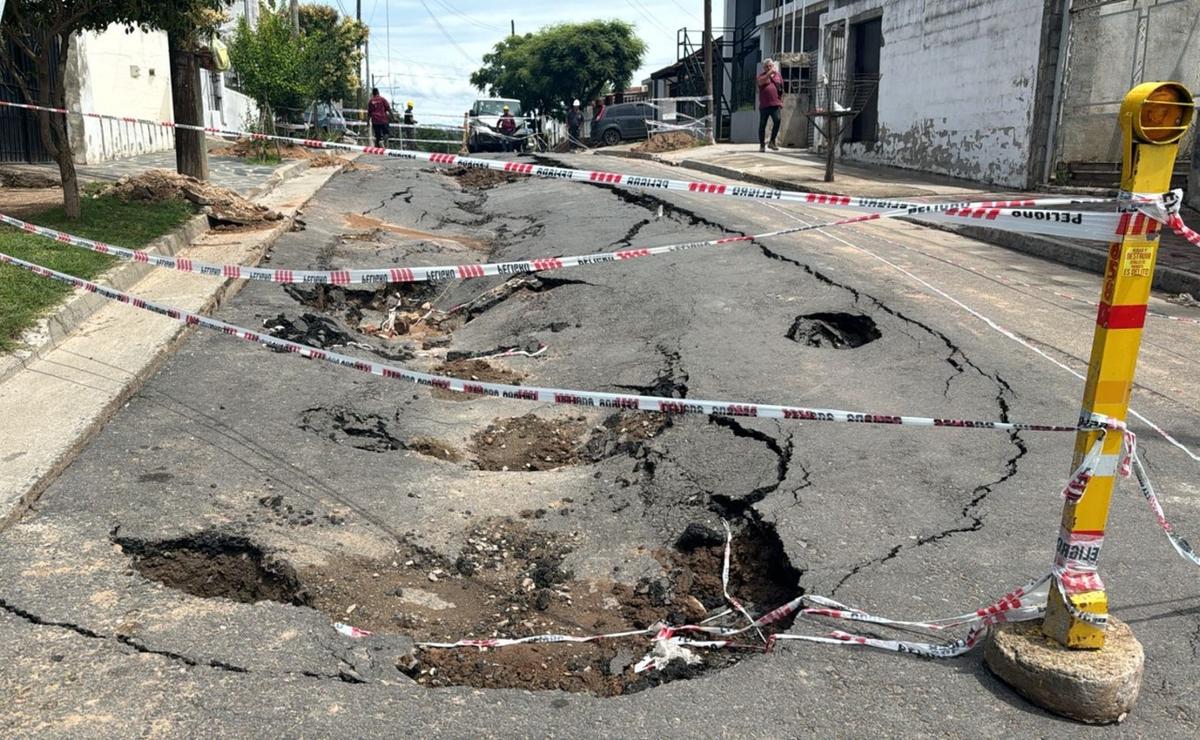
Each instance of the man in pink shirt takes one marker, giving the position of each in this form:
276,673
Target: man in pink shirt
380,113
770,85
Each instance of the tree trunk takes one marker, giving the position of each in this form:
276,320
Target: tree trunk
53,126
191,154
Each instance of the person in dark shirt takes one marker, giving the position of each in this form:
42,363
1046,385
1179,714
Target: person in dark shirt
574,123
770,86
379,113
508,129
408,129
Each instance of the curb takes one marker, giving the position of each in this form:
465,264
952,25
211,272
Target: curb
153,362
51,330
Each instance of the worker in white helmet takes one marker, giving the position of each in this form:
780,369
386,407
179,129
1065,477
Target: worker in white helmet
408,128
574,123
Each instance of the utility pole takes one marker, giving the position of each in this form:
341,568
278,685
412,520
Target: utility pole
295,13
358,17
512,27
708,71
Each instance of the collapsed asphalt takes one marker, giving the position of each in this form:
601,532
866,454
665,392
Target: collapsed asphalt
310,465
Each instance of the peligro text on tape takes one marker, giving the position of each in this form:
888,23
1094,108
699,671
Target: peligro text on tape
1007,609
559,396
402,274
607,178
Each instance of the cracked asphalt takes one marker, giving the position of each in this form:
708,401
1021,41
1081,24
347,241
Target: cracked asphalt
905,522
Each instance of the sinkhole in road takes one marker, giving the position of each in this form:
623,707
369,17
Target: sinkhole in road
511,578
479,179
833,330
350,428
532,443
213,564
398,311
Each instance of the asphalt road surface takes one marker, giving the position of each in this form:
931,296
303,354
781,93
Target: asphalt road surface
238,474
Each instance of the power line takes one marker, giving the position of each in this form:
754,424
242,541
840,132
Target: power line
446,33
467,18
645,13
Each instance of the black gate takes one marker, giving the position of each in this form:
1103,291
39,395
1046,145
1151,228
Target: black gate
19,137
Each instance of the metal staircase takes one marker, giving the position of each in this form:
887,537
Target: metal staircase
731,48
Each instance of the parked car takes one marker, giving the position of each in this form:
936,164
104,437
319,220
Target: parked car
485,125
621,122
326,119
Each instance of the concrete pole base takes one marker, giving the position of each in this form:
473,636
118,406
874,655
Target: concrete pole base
1093,686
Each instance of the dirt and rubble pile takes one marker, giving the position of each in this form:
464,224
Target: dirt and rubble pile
668,141
223,206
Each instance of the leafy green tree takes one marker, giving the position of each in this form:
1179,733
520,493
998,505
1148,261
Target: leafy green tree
333,45
545,70
272,63
35,39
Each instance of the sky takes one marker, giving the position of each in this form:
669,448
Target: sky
425,50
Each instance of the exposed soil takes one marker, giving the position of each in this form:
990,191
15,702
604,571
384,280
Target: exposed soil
479,179
25,202
668,141
433,448
509,581
468,369
529,442
362,221
216,565
26,179
224,207
833,330
248,148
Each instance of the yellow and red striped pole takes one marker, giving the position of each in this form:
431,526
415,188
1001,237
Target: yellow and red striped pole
1153,117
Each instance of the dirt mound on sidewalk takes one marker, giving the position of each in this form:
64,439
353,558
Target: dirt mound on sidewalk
224,207
668,142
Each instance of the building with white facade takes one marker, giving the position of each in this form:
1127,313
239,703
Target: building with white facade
1015,93
120,73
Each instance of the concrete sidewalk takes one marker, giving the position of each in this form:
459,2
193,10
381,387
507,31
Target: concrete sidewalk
59,399
1178,269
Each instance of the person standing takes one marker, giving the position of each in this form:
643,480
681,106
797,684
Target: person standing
508,129
379,113
770,88
408,129
574,123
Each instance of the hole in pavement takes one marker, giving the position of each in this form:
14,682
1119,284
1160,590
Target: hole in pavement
479,179
529,442
509,580
350,428
834,330
216,565
470,369
401,310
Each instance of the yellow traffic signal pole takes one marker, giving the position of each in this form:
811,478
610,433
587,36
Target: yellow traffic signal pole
1154,116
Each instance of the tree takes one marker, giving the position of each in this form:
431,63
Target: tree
334,49
545,70
272,63
37,34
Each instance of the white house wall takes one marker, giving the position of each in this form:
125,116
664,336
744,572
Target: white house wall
957,89
121,74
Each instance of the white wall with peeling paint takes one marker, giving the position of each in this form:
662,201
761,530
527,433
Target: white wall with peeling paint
957,88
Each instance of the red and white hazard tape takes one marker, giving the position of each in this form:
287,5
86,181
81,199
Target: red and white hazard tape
405,274
567,397
999,214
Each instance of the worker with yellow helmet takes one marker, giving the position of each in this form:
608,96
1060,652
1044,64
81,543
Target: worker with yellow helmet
408,128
